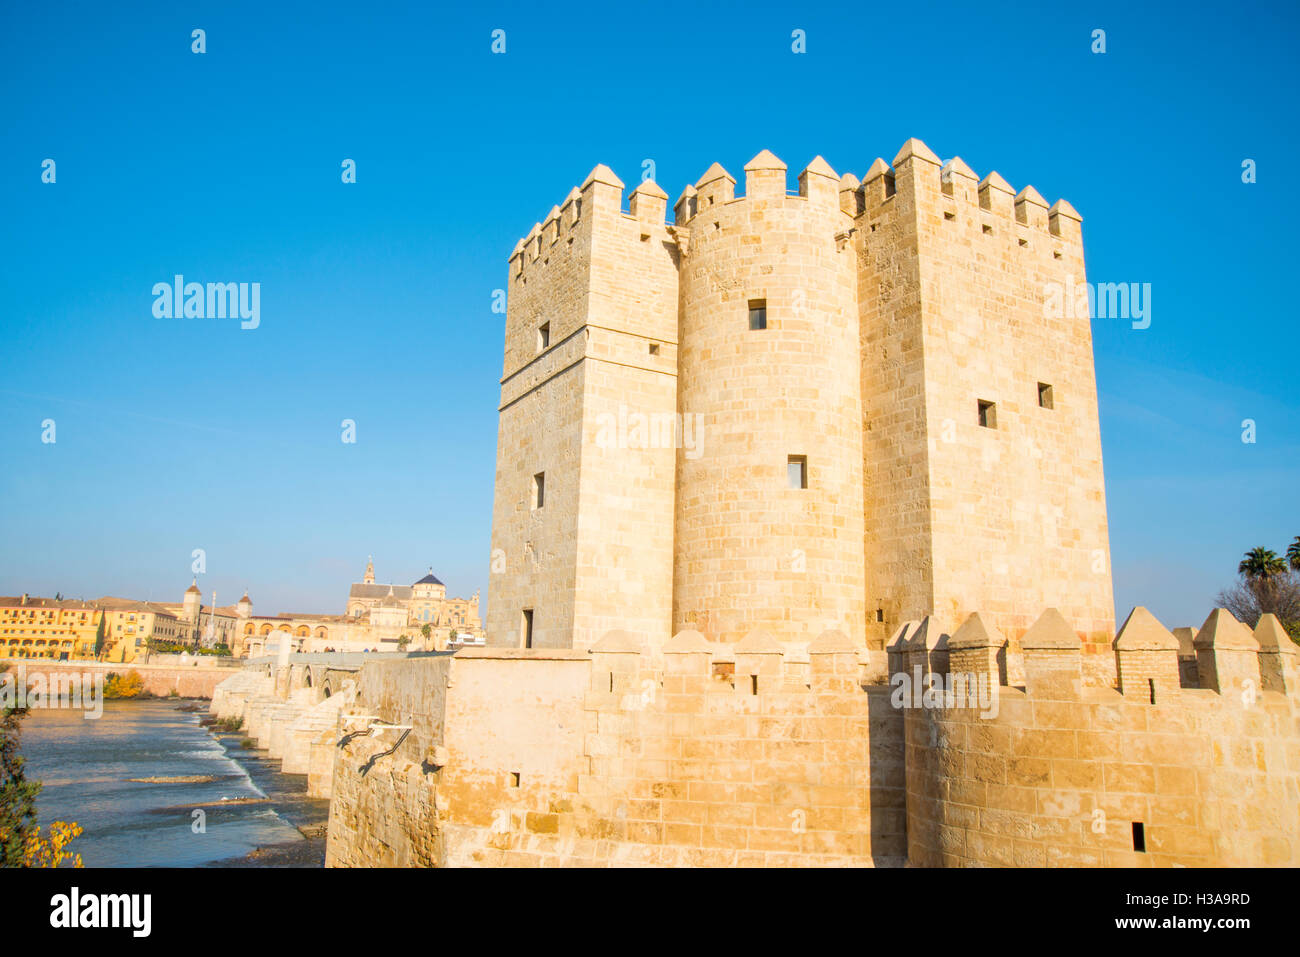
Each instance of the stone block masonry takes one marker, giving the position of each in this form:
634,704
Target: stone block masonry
687,752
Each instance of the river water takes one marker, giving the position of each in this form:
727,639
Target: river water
93,773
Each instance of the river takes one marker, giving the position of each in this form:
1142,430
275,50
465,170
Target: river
134,778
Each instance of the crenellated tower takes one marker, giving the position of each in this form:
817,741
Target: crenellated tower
583,512
842,407
984,485
769,517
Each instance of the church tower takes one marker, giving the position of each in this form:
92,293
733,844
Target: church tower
193,599
370,571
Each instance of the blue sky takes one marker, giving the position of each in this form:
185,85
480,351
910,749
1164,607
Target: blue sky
174,435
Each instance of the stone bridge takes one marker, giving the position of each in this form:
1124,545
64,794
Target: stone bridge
289,705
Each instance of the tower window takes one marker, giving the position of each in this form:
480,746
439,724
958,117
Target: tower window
796,471
758,314
526,629
539,490
1139,837
543,336
1045,395
654,348
988,413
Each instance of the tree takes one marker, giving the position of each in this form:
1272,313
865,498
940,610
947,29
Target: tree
100,636
1253,596
1261,562
17,795
49,852
119,686
1293,554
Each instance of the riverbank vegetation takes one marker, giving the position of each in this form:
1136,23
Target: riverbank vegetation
21,841
130,685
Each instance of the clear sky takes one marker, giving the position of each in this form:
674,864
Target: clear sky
174,435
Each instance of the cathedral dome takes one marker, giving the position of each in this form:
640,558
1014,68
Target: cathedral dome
429,579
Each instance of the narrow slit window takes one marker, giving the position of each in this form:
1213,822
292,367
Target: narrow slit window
514,779
758,314
526,626
1151,684
1139,837
539,490
1045,396
880,614
796,471
543,336
753,684
988,414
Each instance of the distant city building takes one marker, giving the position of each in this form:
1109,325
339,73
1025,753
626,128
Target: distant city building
108,629
380,617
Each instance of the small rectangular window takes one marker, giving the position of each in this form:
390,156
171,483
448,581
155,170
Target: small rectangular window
543,336
1139,837
1045,395
654,348
797,471
880,614
514,779
758,314
526,626
988,414
539,490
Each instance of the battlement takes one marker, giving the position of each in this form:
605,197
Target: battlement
1159,771
991,201
1233,664
959,193
1230,661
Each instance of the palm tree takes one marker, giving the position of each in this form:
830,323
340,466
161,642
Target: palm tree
1293,554
1261,562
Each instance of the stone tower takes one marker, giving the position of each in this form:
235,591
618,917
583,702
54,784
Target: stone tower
842,408
582,522
768,356
984,486
192,602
